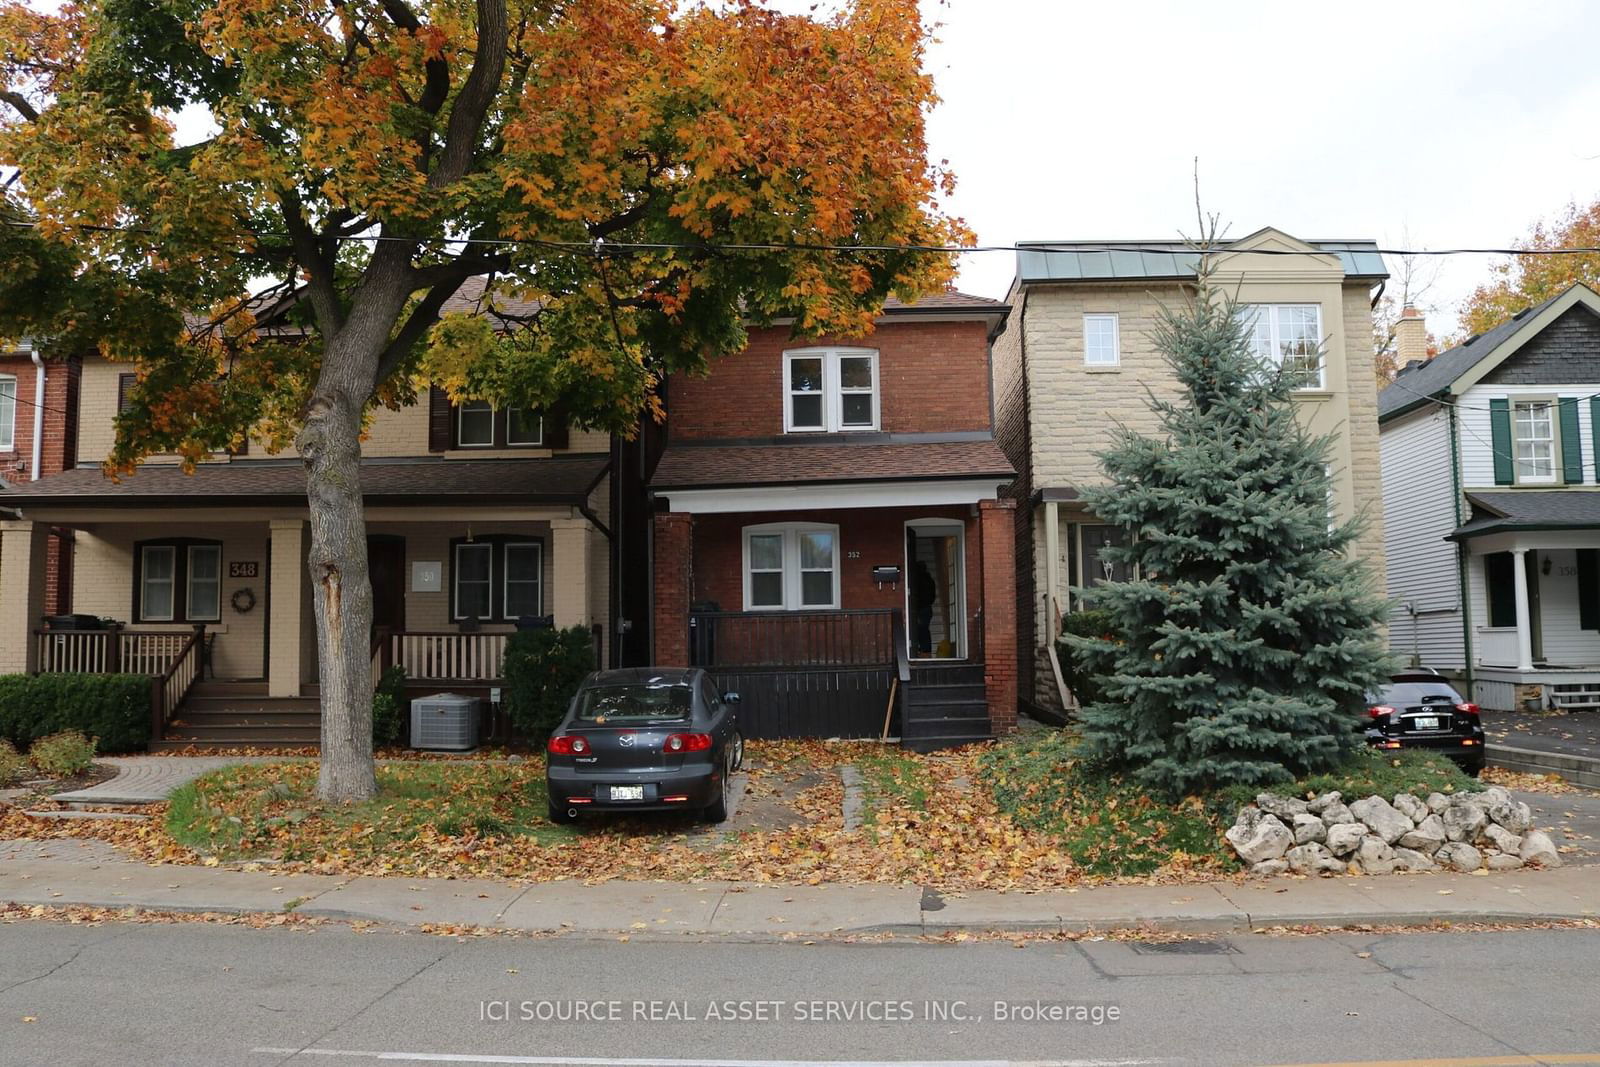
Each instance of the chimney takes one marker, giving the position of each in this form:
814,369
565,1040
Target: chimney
1410,336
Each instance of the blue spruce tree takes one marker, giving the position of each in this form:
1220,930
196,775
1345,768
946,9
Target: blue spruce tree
1243,651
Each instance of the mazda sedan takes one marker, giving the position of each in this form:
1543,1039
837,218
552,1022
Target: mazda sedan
645,739
1420,709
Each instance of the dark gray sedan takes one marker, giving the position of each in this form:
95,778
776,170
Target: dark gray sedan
644,739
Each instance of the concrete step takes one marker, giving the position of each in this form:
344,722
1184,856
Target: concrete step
1579,770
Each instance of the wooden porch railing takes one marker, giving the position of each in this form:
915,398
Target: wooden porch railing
857,638
168,688
447,655
113,650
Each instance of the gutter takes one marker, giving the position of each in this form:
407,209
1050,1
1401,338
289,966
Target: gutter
38,413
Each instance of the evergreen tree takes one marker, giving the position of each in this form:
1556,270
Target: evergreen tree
1243,651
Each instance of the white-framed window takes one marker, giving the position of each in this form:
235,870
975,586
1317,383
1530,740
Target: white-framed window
791,567
475,425
8,413
205,583
1533,431
1102,344
1288,336
524,427
474,580
830,390
524,579
158,573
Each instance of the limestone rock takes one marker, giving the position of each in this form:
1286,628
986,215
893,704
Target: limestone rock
1310,859
1375,855
1281,806
1410,807
1268,868
1538,850
1309,828
1503,863
1259,836
1322,802
1459,856
1464,821
1427,837
1381,818
1337,812
1409,859
1492,796
1437,802
1514,815
1502,839
1343,838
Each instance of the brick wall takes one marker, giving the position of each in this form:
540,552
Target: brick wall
60,396
1012,432
933,376
673,575
1000,664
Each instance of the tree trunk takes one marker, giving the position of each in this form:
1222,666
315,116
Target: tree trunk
330,444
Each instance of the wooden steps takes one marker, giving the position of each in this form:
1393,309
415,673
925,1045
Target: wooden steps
944,706
225,714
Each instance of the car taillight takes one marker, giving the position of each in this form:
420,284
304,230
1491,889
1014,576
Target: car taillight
687,742
568,746
1468,709
1378,711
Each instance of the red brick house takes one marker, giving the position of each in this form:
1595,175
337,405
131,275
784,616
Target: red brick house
830,537
38,419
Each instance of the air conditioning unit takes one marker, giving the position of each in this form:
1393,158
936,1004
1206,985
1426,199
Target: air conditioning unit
445,721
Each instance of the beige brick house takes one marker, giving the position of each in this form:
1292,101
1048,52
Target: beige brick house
1076,358
476,518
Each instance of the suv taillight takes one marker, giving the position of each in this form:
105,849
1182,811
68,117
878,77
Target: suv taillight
568,746
1468,709
1378,711
687,743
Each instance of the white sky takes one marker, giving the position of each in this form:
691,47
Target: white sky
1445,124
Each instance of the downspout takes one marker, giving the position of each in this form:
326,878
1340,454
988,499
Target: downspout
38,413
1463,554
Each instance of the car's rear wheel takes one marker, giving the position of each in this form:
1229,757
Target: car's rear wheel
736,752
562,816
717,810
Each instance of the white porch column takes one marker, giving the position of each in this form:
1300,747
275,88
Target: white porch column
1519,574
569,597
23,547
1052,569
288,566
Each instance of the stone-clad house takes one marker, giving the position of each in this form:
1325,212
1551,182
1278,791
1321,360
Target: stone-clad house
1491,485
1076,357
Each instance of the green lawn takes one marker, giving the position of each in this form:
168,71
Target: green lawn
889,777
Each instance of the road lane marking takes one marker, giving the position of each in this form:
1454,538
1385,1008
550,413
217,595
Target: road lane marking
602,1061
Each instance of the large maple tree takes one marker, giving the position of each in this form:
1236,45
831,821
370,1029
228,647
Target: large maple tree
600,159
1525,280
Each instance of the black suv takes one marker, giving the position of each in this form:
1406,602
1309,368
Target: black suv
1419,709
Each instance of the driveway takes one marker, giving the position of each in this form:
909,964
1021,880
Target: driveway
1575,733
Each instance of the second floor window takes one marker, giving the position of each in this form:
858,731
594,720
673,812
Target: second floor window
1287,336
480,425
1100,342
8,413
830,390
1534,428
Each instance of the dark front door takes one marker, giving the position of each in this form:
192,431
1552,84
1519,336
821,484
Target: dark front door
386,563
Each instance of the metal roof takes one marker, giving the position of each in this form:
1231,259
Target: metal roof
1066,261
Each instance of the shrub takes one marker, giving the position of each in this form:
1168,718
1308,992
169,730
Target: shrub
1074,670
389,707
113,708
543,670
62,755
12,764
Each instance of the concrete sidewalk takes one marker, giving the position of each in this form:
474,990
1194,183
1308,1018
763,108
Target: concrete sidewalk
67,872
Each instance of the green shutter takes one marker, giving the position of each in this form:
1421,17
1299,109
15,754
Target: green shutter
1571,442
1594,429
1589,589
1500,435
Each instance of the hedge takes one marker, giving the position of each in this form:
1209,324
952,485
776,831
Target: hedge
543,670
114,708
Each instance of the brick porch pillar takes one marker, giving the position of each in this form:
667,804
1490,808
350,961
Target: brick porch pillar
671,591
23,546
997,535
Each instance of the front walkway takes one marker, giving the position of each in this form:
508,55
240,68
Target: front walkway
151,779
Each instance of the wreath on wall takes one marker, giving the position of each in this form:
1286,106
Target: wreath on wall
243,600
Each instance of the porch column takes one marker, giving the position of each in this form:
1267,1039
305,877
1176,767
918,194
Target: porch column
671,588
23,547
997,534
1519,574
288,568
569,598
1052,569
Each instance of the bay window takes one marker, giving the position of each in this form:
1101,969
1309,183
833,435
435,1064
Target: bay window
791,567
830,390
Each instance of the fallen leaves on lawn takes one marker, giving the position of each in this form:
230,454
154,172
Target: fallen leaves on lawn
1552,784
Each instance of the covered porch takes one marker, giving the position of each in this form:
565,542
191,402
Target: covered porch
1532,565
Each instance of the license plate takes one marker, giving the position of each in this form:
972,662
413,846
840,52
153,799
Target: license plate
1427,722
627,792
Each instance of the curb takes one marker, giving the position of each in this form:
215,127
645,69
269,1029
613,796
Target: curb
1577,770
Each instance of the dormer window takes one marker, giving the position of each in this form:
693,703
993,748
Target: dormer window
830,390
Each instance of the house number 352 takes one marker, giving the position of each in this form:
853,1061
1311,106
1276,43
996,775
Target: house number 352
852,555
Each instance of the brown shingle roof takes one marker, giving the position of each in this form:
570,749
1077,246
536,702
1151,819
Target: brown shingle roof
522,481
685,466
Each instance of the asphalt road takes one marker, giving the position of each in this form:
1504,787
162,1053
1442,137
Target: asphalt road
213,994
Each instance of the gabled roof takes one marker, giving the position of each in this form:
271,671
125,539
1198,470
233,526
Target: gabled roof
1125,260
1464,365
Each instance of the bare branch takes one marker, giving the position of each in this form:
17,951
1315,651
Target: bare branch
20,103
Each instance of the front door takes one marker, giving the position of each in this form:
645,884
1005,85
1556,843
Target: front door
386,564
935,585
